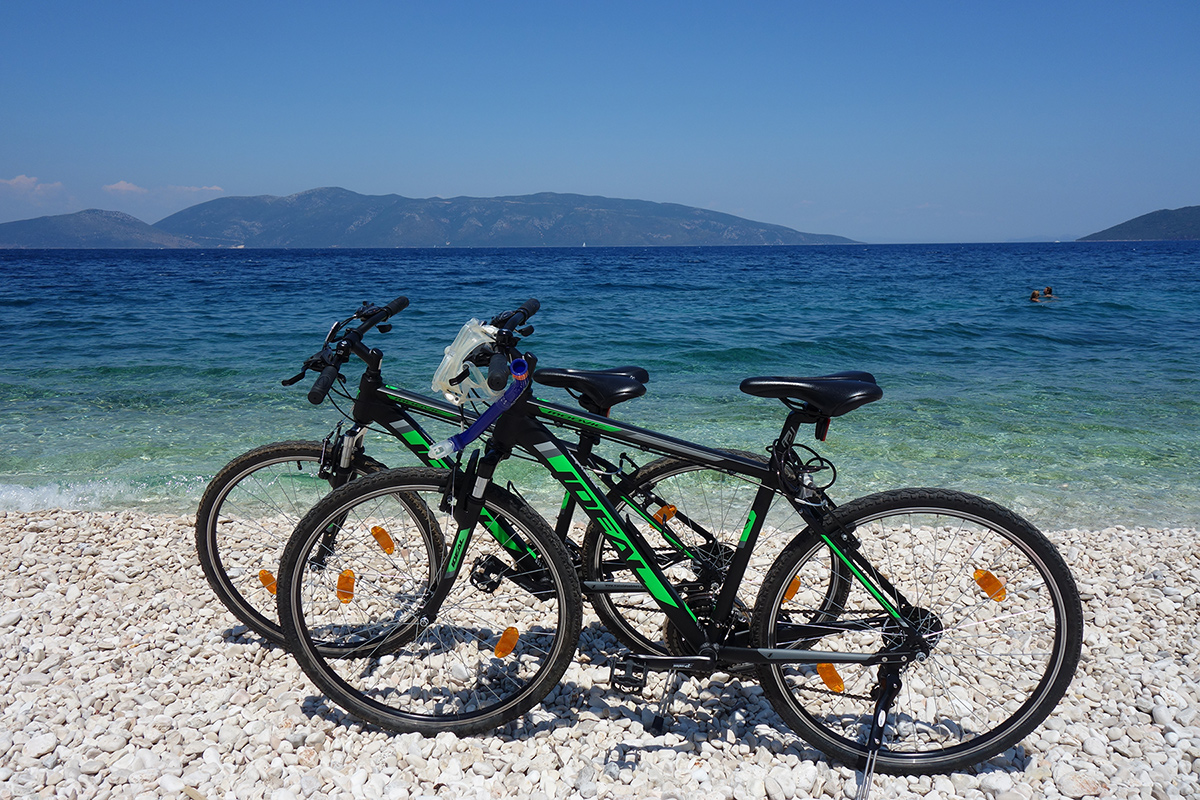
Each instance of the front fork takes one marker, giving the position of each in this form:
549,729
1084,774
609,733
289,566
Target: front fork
337,467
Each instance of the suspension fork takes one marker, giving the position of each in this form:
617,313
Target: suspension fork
337,467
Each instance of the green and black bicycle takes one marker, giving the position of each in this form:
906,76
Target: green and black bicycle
250,508
912,631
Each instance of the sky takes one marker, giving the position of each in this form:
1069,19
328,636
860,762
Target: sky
880,121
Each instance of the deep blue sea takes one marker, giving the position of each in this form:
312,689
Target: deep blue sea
130,377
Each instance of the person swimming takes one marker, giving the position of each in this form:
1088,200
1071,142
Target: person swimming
1035,297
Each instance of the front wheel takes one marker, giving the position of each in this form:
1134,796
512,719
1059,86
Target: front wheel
245,517
991,596
354,608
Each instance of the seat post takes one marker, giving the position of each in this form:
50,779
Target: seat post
783,445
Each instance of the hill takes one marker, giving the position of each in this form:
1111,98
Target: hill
93,229
333,217
1180,224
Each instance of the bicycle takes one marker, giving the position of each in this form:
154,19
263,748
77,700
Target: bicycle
910,631
251,506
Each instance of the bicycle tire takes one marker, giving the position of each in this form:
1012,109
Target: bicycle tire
716,501
245,518
992,595
370,651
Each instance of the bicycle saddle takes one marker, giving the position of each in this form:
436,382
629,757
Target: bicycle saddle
601,389
828,395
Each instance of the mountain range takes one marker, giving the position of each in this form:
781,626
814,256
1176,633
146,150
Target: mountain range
333,217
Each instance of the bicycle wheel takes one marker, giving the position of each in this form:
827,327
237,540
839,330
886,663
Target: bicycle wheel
994,599
355,618
245,517
706,512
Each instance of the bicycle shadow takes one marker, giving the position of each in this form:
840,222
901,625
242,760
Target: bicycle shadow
727,712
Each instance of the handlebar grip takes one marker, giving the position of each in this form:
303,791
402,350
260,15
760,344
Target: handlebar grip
396,306
528,309
497,371
320,388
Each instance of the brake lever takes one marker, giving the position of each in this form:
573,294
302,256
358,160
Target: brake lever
295,378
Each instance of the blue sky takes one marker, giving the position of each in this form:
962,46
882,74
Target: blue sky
881,121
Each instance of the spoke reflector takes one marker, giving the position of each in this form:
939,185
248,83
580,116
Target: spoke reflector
991,585
385,541
508,640
830,676
665,513
345,586
268,580
792,588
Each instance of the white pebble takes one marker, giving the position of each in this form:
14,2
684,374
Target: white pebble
40,745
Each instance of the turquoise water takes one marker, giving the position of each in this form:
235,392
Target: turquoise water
130,377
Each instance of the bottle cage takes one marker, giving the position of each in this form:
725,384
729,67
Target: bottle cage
457,377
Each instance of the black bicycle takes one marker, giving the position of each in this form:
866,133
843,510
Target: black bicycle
251,506
913,631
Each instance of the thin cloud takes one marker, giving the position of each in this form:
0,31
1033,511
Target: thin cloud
124,187
196,188
28,185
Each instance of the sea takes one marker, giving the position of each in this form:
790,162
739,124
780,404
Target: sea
130,377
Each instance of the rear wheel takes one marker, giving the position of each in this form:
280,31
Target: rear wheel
245,518
356,617
694,516
992,598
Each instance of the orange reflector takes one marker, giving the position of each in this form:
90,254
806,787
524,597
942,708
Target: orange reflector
665,513
792,588
990,584
268,580
345,586
385,541
508,640
829,675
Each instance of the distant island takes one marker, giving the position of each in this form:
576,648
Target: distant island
1180,224
95,229
333,217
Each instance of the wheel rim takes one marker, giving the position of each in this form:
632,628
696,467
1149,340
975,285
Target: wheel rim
456,668
253,521
994,659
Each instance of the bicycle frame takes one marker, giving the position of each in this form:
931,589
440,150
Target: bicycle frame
525,426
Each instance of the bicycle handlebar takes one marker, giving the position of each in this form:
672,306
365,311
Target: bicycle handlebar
506,321
351,342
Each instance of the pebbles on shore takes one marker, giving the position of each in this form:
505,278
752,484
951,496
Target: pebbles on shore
124,677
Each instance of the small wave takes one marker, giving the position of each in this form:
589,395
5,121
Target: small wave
86,496
176,495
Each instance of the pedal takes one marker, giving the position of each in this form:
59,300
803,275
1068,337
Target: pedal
628,674
487,572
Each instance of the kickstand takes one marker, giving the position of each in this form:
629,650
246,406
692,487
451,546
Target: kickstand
659,726
889,689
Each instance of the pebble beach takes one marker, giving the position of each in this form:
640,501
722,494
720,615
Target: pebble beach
125,677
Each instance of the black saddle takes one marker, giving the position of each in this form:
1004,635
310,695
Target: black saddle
825,396
599,389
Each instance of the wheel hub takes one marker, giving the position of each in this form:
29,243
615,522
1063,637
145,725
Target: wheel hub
928,625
